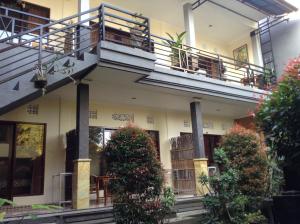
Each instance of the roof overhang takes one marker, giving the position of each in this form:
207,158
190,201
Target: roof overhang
271,7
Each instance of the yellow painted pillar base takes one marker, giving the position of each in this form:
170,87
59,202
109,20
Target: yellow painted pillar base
81,184
200,168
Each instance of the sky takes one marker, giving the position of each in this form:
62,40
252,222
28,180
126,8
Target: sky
295,15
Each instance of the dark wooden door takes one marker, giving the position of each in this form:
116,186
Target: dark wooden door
210,143
6,155
155,137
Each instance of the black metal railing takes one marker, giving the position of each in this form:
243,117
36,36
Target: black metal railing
71,36
53,41
195,61
124,27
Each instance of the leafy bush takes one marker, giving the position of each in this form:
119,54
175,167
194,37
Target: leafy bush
246,155
278,116
138,179
235,192
225,202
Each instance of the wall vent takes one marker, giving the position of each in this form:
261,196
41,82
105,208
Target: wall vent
93,114
186,124
33,109
150,119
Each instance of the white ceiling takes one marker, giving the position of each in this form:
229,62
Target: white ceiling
227,26
119,87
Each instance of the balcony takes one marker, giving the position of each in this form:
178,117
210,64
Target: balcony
133,30
130,31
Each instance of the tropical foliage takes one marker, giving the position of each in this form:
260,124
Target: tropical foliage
176,45
278,116
137,178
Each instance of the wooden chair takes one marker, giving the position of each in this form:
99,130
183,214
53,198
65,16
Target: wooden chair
95,187
100,183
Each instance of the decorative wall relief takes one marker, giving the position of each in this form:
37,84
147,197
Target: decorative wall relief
186,124
208,125
93,114
123,117
150,119
33,109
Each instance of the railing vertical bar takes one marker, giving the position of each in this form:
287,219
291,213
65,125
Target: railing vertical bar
103,22
40,48
149,35
12,29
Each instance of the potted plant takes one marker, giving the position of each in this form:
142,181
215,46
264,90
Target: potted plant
278,116
40,80
178,54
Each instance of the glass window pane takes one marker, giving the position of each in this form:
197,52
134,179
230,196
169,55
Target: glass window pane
29,165
95,149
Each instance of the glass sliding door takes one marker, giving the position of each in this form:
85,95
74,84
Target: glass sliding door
6,145
29,159
22,152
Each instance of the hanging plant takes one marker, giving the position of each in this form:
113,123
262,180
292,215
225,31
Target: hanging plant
40,81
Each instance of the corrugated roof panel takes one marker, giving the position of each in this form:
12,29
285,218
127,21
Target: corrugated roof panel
272,7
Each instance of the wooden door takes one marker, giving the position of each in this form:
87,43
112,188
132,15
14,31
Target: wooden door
6,160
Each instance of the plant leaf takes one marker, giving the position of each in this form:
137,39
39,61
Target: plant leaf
2,216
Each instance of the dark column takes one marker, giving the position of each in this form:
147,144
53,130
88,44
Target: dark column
81,171
82,121
197,126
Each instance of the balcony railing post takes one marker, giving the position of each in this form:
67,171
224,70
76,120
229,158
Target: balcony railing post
179,58
40,48
77,41
219,67
103,22
13,22
149,35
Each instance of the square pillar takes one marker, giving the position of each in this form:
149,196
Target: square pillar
197,127
256,48
189,24
81,174
81,184
200,160
200,166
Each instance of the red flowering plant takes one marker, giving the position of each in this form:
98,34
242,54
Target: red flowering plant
138,178
278,116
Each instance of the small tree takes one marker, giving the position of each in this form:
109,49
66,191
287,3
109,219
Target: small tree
246,155
138,179
278,116
237,189
225,202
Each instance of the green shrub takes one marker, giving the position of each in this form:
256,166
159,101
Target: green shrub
236,191
246,155
131,159
225,202
278,116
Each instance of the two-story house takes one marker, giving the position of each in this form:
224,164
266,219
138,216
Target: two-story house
72,72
